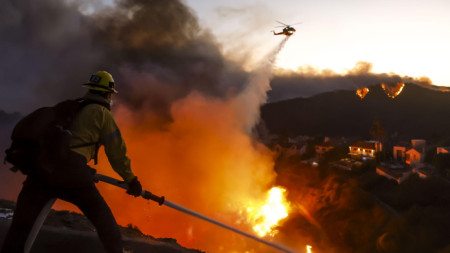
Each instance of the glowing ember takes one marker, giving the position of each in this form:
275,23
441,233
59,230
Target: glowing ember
392,90
266,216
308,249
362,92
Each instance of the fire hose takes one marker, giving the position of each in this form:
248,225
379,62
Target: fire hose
150,196
162,201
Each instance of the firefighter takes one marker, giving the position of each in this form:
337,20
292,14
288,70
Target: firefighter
92,127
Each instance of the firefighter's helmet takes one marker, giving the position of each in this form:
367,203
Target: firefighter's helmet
101,81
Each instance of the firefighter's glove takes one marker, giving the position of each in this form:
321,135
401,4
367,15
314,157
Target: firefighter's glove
134,187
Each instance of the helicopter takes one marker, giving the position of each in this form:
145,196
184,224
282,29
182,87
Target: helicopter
288,30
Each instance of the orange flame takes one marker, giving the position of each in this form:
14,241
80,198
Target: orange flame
393,90
267,215
362,92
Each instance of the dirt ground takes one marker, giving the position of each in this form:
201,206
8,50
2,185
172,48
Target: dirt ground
70,232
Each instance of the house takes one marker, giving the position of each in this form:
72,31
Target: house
411,154
365,149
419,145
400,150
442,150
395,171
325,146
287,150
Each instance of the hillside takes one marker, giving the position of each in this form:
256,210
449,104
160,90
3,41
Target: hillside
70,232
417,112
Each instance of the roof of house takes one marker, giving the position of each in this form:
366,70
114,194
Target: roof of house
395,170
403,144
412,150
333,142
364,144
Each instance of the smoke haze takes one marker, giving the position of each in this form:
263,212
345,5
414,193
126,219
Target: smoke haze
308,81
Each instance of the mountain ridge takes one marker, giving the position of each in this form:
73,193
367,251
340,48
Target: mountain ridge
417,112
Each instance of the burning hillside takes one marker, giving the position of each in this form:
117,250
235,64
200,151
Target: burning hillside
354,116
393,90
308,81
362,92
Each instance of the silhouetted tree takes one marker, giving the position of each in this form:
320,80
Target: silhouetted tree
377,131
379,134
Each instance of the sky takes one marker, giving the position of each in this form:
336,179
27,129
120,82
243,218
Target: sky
409,38
338,45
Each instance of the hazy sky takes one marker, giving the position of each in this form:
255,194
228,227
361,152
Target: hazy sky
406,37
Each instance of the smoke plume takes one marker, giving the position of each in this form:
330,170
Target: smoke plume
50,48
255,93
308,81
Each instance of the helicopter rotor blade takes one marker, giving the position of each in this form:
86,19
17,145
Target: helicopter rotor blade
281,23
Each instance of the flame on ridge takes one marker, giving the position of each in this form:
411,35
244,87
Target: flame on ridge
362,92
266,216
393,90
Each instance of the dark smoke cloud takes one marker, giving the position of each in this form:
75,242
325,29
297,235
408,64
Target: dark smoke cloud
308,81
43,44
155,49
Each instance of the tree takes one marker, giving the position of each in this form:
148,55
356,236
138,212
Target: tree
377,131
379,134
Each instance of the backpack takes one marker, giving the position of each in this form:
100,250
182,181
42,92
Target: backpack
40,141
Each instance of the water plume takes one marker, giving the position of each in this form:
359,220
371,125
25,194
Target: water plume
255,92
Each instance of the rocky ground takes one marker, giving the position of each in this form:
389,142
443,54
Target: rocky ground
69,232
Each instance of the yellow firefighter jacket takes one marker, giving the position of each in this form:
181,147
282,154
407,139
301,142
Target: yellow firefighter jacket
96,124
